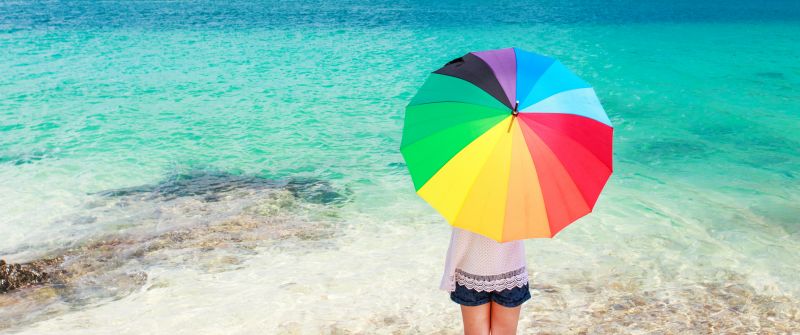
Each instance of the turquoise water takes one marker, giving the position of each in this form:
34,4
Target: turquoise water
96,97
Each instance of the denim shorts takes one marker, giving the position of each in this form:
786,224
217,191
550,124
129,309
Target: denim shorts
512,297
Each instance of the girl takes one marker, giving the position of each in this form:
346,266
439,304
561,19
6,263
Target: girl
488,279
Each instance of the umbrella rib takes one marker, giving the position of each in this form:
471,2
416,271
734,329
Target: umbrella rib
437,117
570,137
538,175
456,101
477,75
525,97
494,74
527,110
524,156
463,102
558,185
452,126
473,182
561,164
493,98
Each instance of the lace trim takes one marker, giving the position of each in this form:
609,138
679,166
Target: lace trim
499,282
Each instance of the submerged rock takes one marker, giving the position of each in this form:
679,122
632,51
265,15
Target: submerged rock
316,191
16,276
771,75
210,184
207,221
726,306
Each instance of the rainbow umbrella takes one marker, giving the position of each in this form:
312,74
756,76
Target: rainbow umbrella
508,144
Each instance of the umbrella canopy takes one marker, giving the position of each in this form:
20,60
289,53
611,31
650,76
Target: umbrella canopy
508,144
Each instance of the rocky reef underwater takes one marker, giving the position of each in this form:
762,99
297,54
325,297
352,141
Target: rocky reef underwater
205,219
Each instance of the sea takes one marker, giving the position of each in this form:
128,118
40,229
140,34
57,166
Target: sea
233,167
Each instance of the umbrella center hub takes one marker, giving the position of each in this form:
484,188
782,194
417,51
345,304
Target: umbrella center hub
515,112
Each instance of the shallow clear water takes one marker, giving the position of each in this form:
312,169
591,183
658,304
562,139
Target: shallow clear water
700,214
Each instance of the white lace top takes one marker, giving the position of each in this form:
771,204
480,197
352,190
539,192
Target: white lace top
483,264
